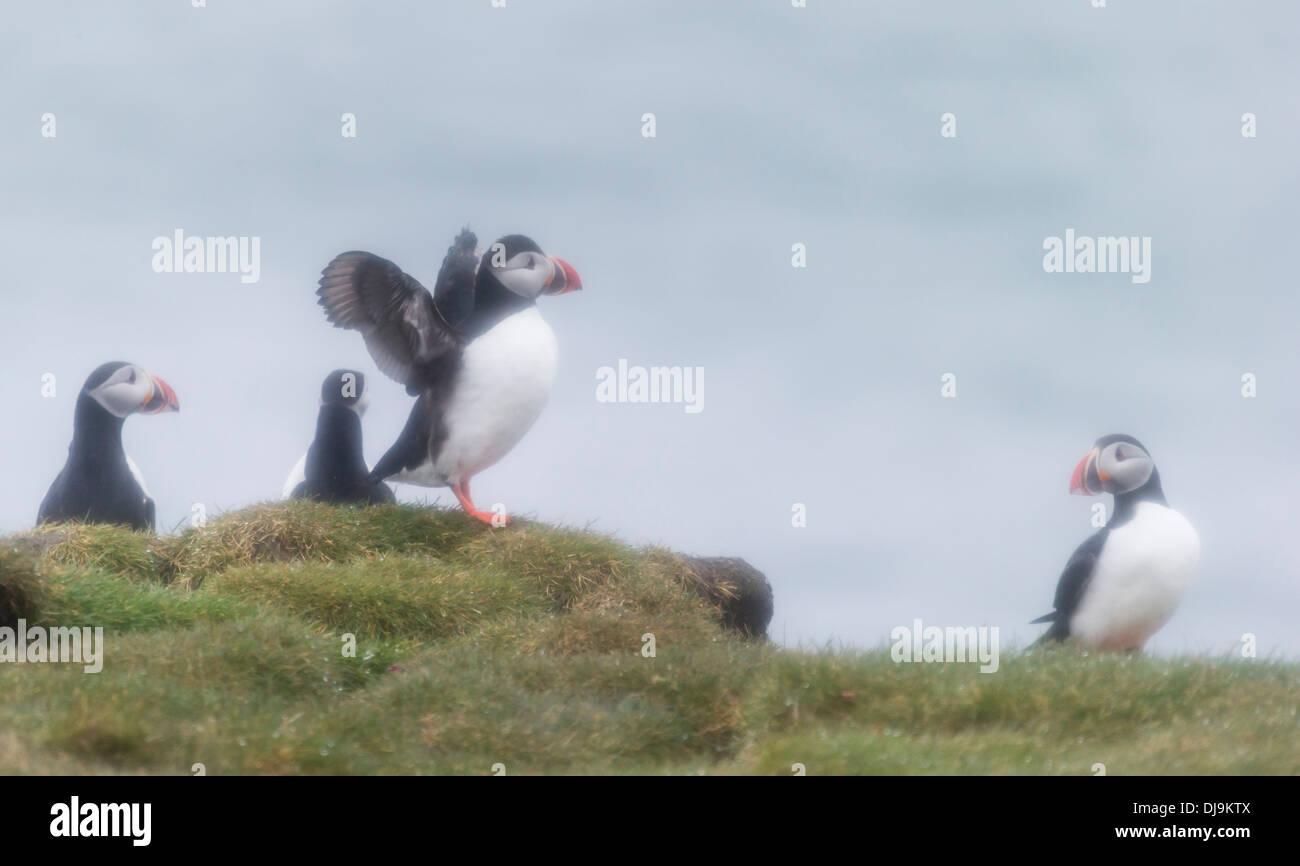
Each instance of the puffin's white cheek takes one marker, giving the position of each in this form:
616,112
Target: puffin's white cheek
121,400
525,282
1132,474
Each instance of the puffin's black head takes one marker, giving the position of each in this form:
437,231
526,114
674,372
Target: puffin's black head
1116,464
345,388
518,264
126,389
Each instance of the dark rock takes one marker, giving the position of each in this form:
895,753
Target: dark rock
21,590
739,589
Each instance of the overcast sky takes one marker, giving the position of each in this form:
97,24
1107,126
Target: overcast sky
774,126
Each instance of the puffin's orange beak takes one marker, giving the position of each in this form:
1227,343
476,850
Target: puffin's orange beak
565,280
1079,479
161,398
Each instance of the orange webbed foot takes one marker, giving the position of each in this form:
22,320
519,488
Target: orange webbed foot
491,518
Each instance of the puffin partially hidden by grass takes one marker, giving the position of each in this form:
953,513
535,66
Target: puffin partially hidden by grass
100,483
1126,580
476,353
334,468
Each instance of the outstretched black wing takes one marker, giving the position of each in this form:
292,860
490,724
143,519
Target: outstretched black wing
394,313
1070,588
453,293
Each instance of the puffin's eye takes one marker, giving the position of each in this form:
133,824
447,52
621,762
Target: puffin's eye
130,379
1120,456
532,262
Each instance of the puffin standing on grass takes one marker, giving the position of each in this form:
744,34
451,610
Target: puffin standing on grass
476,353
1125,581
100,483
334,467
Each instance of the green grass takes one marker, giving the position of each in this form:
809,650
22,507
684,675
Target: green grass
474,647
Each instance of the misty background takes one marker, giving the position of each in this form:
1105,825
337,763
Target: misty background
775,125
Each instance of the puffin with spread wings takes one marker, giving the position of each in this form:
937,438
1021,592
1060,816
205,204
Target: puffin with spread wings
476,354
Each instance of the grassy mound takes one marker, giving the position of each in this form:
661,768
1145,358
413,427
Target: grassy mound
304,638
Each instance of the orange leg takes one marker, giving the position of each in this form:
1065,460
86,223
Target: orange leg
490,518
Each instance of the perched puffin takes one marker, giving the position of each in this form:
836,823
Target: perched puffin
99,483
476,352
1125,581
334,467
